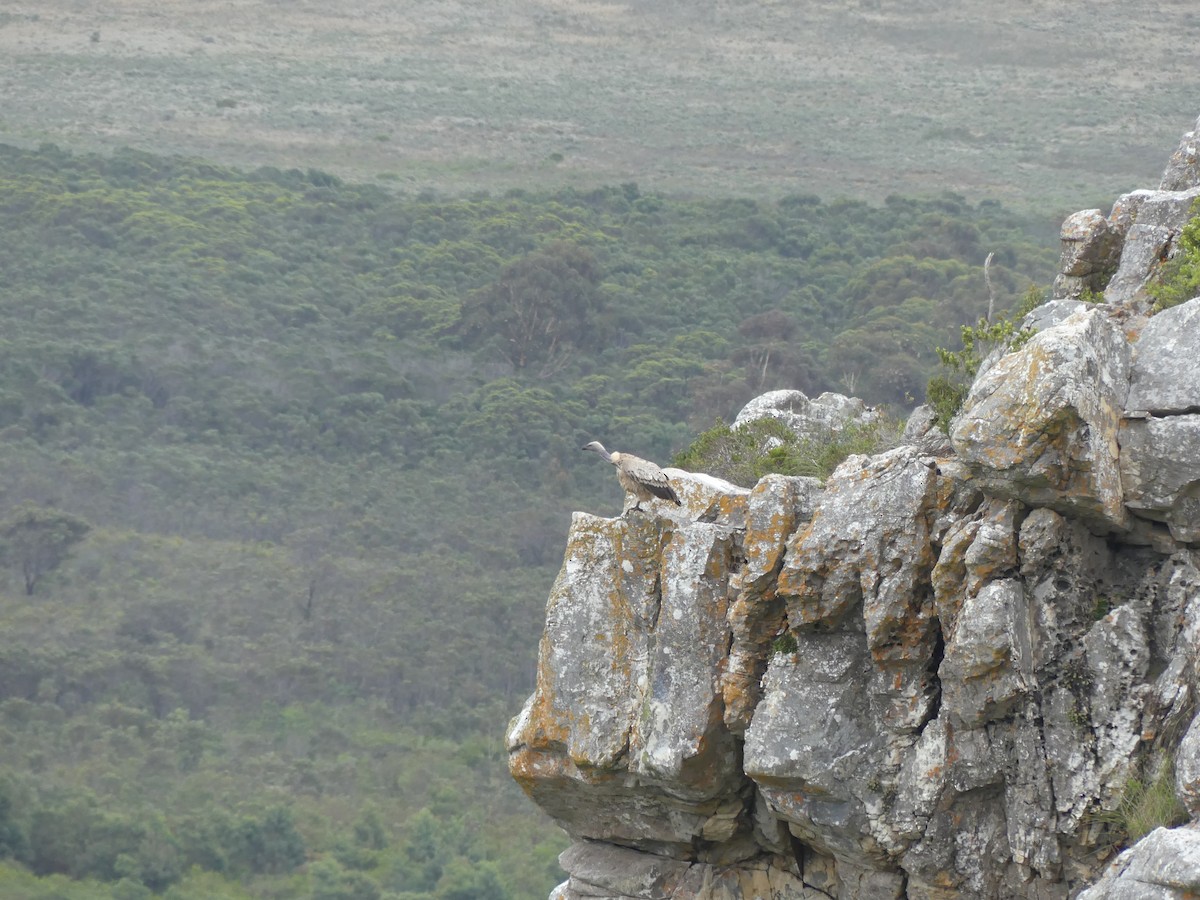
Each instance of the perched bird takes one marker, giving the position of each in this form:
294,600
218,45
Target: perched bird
638,476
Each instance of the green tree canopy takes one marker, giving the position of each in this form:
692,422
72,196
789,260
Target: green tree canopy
541,309
37,539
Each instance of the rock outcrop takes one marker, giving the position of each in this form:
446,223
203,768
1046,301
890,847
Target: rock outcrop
962,668
809,418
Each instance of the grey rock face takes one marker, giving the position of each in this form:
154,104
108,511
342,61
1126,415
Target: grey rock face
1164,378
1160,471
1165,865
1160,439
1041,424
1091,248
921,431
776,508
1051,313
941,674
623,740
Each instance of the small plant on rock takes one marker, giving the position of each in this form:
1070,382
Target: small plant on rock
785,644
946,392
1146,803
1179,278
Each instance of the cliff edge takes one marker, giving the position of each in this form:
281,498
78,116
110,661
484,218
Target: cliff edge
959,669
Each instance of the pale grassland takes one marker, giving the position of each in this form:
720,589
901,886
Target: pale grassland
1032,102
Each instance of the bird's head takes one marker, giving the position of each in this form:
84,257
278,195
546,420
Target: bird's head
597,447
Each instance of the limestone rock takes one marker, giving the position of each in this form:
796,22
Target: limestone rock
1183,169
988,662
606,872
1164,865
922,431
1160,472
1090,252
623,738
1041,425
1187,769
1163,377
704,498
1160,439
808,418
776,507
933,677
1051,313
868,542
812,745
1159,217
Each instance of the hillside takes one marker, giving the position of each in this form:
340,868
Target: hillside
1033,103
327,470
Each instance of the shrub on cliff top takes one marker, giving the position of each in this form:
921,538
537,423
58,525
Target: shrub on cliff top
745,454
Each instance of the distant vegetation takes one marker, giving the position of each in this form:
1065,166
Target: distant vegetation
325,441
1023,102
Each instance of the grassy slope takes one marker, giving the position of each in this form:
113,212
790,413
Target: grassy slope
1024,102
242,382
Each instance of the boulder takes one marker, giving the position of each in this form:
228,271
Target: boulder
1183,169
1164,378
623,739
1160,472
1156,219
810,419
1041,425
1091,249
1164,865
1160,438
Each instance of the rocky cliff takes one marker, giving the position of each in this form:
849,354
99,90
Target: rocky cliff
966,667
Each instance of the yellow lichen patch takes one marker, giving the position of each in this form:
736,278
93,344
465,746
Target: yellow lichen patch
717,566
792,578
902,638
726,508
765,543
532,767
950,574
543,728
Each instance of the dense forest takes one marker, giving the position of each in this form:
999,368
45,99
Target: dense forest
289,463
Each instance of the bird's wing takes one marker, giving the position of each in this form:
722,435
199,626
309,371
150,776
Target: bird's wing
649,476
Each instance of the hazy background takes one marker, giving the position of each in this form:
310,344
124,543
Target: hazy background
1054,102
268,354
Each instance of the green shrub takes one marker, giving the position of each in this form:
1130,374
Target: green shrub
745,454
1179,279
947,391
785,643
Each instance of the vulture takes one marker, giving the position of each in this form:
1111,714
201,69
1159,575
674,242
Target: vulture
638,476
